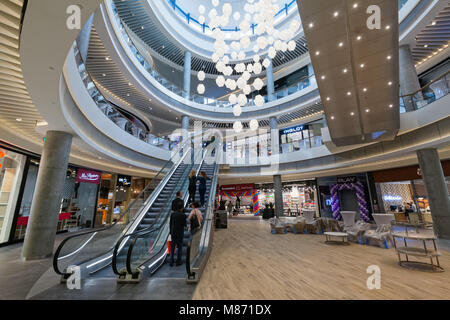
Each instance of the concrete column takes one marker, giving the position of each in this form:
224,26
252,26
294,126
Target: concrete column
274,135
433,176
278,190
185,123
409,82
187,75
41,230
270,82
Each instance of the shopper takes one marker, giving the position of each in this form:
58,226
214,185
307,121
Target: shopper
202,187
238,202
230,208
192,186
178,203
195,218
177,226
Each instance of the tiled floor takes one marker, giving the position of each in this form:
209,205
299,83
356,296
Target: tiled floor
37,280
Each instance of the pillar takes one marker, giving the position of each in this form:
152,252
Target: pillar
274,135
41,230
84,38
187,75
433,177
409,82
270,82
278,191
185,123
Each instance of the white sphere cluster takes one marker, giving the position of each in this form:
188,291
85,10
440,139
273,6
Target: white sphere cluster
229,48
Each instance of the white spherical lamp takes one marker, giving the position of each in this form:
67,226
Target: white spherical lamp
201,88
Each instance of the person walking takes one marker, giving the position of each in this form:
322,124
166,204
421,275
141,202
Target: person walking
202,187
192,186
238,202
177,226
195,218
230,208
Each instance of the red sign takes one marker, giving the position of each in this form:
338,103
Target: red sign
64,216
88,176
238,187
22,221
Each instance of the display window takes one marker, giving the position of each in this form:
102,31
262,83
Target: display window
11,171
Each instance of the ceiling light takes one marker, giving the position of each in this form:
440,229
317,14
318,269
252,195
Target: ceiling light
367,110
358,38
391,105
19,119
390,83
104,74
332,117
311,25
433,23
388,27
352,114
365,89
322,77
355,6
349,93
107,58
389,57
362,65
328,98
335,14
425,46
341,44
345,70
317,53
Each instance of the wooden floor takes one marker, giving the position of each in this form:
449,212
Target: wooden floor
248,262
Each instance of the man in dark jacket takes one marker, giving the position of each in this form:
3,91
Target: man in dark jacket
177,226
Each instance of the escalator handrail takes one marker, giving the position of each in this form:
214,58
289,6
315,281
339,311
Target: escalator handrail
144,231
208,220
95,231
138,235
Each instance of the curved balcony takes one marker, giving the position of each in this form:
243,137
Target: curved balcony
113,113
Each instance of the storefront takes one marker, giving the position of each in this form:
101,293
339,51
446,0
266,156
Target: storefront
345,193
244,197
402,190
297,195
301,137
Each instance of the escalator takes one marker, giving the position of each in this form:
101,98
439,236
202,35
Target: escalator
93,250
145,252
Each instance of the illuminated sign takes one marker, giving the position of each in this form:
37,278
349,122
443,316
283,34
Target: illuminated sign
294,129
392,198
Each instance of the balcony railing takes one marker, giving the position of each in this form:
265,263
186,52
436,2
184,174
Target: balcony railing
200,99
433,91
112,112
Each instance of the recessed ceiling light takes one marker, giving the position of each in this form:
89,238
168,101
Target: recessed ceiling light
345,70
365,89
128,94
425,46
349,93
367,110
391,105
311,25
388,27
332,117
335,14
352,114
106,58
362,65
341,44
358,38
104,74
328,98
355,6
433,23
142,27
19,119
322,77
390,83
317,53
389,57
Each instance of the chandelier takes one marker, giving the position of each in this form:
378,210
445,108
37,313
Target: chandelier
258,22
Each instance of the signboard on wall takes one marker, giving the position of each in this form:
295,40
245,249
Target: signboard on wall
88,176
294,129
238,187
344,180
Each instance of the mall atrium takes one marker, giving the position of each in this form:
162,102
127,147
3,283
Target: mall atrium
305,144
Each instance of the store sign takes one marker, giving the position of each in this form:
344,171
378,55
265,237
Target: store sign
344,180
238,187
88,176
294,129
392,198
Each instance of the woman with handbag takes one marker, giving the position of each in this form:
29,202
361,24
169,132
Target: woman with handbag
195,218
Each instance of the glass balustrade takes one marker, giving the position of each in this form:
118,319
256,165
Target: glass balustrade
200,99
433,91
113,113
